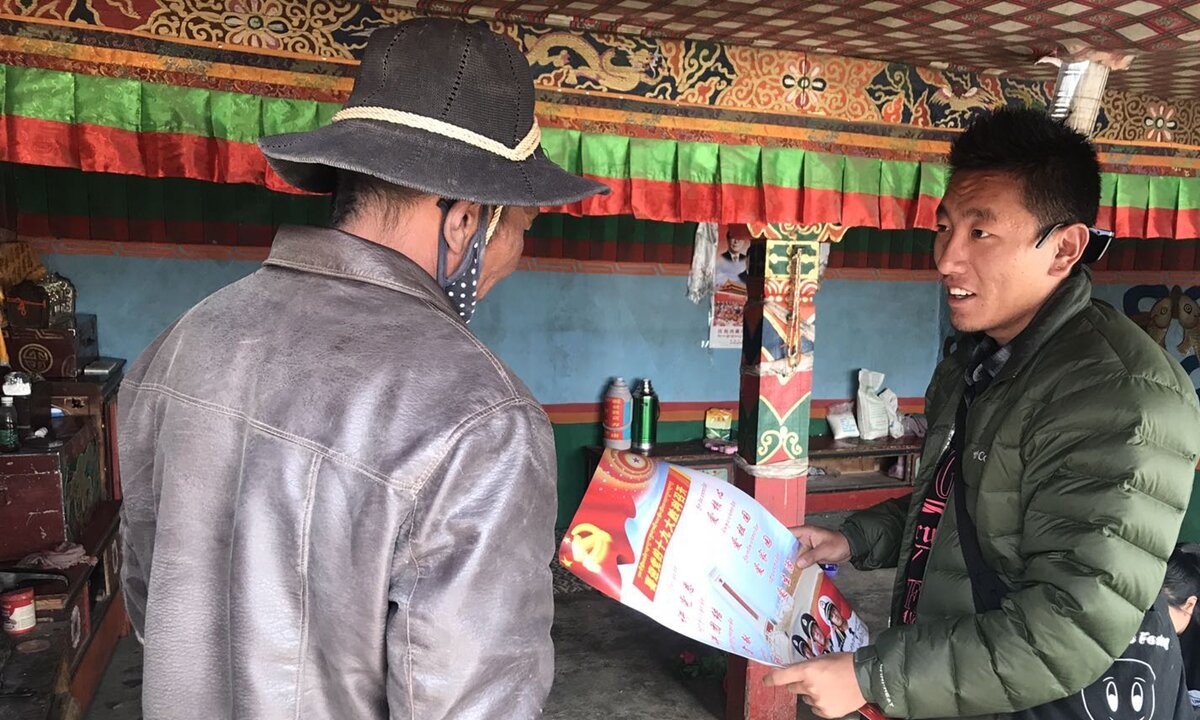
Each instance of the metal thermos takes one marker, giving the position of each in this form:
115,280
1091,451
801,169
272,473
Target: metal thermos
645,417
618,415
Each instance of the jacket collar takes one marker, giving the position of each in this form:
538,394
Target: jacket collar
325,251
1071,297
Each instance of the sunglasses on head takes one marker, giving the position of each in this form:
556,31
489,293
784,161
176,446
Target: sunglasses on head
1098,241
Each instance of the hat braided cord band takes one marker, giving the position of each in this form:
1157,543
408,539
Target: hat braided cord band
523,150
493,224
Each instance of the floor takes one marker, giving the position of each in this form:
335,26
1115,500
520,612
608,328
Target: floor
611,662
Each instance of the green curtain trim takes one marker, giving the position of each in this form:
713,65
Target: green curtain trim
137,106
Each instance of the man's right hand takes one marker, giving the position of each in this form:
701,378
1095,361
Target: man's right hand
820,545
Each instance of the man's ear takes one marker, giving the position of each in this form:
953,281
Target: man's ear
1068,249
461,222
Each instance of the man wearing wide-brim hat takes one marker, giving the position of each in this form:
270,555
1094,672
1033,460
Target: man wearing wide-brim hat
338,502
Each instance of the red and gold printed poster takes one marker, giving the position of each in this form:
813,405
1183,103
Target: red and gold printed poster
729,287
704,559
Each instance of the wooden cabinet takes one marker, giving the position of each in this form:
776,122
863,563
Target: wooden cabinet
69,491
53,672
47,495
95,403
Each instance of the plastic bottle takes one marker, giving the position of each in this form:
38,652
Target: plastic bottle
618,415
9,440
19,386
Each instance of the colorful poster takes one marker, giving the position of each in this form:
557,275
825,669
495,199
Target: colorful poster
703,558
729,287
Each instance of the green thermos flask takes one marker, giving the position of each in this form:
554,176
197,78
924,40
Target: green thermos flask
645,417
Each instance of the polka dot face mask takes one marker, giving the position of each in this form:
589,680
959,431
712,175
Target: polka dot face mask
463,286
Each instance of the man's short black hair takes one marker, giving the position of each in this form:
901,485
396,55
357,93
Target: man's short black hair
1057,166
1183,574
354,192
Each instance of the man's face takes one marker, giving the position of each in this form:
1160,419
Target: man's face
835,616
504,250
818,636
994,277
739,246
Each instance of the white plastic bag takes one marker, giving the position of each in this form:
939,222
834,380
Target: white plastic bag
841,421
873,420
895,417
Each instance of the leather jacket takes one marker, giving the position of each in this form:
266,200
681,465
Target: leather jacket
337,502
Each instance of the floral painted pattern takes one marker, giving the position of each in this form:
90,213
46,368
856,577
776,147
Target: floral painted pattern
804,85
256,23
1160,123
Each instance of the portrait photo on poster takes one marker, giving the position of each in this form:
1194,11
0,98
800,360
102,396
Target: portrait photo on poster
729,296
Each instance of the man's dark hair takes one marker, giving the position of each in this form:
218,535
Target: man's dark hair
1183,574
354,192
1057,166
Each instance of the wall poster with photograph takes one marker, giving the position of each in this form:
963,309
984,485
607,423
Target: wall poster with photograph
729,283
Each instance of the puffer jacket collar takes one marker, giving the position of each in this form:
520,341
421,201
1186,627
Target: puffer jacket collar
1067,301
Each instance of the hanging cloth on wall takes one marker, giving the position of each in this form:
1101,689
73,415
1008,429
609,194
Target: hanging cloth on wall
704,257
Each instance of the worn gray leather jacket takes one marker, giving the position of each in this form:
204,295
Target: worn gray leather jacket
337,502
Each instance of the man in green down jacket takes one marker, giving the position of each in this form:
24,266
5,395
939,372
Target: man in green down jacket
1078,454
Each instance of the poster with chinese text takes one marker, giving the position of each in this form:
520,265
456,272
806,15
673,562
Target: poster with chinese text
703,558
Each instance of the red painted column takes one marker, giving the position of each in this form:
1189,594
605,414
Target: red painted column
776,390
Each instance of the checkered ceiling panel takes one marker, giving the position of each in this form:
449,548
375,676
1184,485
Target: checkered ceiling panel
980,35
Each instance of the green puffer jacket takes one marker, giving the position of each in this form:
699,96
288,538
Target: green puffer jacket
1078,463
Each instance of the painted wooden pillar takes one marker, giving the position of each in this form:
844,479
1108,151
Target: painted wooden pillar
776,391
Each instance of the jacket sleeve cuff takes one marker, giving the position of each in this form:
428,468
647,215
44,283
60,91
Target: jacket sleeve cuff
864,663
868,670
859,549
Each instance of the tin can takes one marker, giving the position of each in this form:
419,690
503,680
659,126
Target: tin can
645,417
18,611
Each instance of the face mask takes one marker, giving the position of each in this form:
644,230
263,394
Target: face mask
463,286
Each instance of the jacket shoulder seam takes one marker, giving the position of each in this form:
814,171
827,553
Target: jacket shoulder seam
461,429
390,285
326,452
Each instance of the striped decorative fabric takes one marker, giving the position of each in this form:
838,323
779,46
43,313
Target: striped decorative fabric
130,127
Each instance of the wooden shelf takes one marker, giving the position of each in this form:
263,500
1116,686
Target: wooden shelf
825,447
686,451
849,482
59,681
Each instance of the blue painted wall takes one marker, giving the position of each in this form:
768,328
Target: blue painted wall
566,333
135,299
891,327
